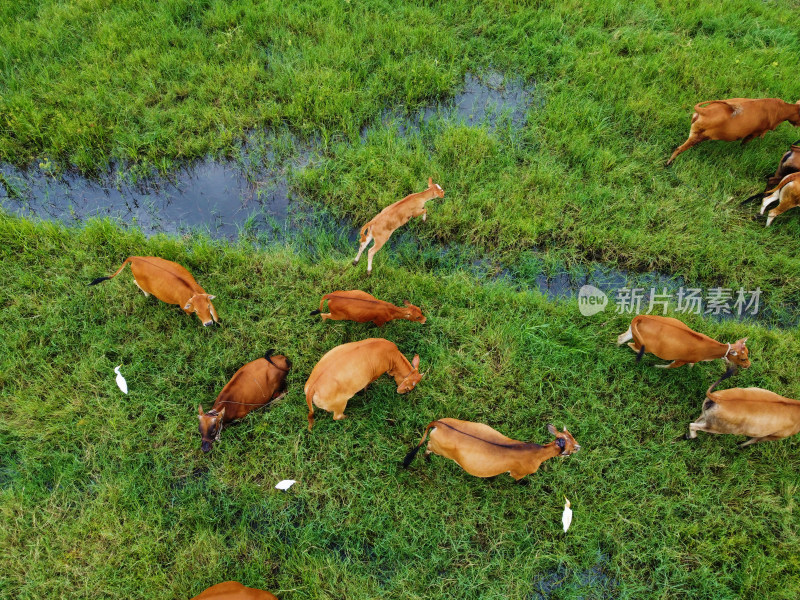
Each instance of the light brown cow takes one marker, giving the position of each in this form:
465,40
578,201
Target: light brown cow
355,305
737,119
170,283
254,385
788,192
233,590
393,216
348,368
671,339
485,452
761,415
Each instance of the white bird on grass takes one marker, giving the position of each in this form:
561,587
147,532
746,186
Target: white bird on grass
566,518
121,383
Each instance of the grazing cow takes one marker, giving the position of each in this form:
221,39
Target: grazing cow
737,119
485,452
170,283
233,590
788,192
393,216
254,385
355,305
761,415
671,339
351,367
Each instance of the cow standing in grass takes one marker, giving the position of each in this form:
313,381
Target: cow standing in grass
737,119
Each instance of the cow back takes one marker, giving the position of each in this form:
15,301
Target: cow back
233,590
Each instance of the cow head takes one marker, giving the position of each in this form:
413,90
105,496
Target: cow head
210,427
412,378
564,440
201,304
437,189
413,313
738,354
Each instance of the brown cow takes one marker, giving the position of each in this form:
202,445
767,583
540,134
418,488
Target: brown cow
737,119
671,339
233,590
355,305
170,283
485,452
761,415
788,192
393,216
254,385
348,368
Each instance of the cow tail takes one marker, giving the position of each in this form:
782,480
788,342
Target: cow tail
309,395
640,354
730,371
635,332
362,237
413,452
101,279
321,303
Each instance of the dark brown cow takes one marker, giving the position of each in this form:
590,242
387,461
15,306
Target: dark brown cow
355,305
170,283
254,385
233,590
485,452
737,119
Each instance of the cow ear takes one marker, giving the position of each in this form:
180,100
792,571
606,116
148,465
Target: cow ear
188,305
415,362
552,429
200,409
221,414
406,302
430,181
210,297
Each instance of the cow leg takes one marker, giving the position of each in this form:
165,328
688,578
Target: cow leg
780,209
140,287
673,365
698,425
424,215
372,251
625,337
747,138
325,316
361,249
769,200
694,139
754,440
634,346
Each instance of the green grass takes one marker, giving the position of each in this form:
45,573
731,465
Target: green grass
147,85
108,496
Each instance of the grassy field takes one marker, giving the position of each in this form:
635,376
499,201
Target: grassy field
108,496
